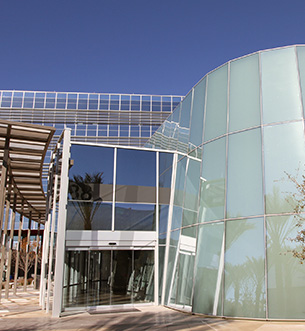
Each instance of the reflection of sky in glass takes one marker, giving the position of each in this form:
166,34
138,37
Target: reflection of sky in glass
163,217
247,234
136,167
92,159
140,217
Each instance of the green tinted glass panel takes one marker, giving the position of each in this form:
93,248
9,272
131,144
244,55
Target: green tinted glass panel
180,179
175,127
284,153
209,269
245,269
212,195
244,111
186,111
190,231
176,218
280,86
189,217
161,267
286,281
197,114
216,108
192,184
185,279
172,260
163,219
245,180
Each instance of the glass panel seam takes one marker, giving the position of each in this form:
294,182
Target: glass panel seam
114,188
156,269
299,80
190,119
263,179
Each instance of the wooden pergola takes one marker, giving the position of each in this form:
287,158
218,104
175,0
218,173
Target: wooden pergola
22,151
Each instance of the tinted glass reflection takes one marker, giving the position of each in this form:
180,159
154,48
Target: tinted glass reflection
88,215
216,107
245,269
280,86
244,93
209,269
140,217
212,195
197,115
90,185
290,159
286,282
136,167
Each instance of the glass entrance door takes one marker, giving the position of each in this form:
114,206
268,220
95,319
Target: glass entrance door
108,277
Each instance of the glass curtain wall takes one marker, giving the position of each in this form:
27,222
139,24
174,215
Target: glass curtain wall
240,137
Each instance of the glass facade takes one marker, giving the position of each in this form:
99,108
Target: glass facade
209,193
243,127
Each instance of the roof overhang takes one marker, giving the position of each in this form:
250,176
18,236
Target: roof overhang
26,145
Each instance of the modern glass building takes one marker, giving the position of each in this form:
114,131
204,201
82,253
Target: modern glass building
201,217
121,119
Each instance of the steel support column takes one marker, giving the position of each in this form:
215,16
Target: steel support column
10,248
25,280
36,256
18,253
3,180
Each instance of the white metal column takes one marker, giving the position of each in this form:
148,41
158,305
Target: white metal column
61,226
156,279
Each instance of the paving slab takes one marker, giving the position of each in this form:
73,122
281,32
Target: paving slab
22,312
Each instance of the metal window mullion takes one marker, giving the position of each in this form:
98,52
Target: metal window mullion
263,180
226,193
156,278
114,188
23,96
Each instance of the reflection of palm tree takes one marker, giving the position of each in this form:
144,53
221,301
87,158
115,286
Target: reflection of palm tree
277,203
255,270
281,265
237,274
82,196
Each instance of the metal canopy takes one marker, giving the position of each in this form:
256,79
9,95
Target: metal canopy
22,151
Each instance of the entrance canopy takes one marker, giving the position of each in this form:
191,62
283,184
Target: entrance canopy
22,151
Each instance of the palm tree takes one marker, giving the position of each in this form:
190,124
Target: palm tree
80,190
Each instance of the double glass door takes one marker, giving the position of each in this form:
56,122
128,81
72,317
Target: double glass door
108,277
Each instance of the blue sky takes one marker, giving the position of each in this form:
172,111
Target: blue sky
135,46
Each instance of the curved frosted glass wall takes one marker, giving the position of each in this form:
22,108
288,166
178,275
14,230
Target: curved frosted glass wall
238,132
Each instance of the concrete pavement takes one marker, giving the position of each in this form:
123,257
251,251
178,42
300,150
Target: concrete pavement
22,312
